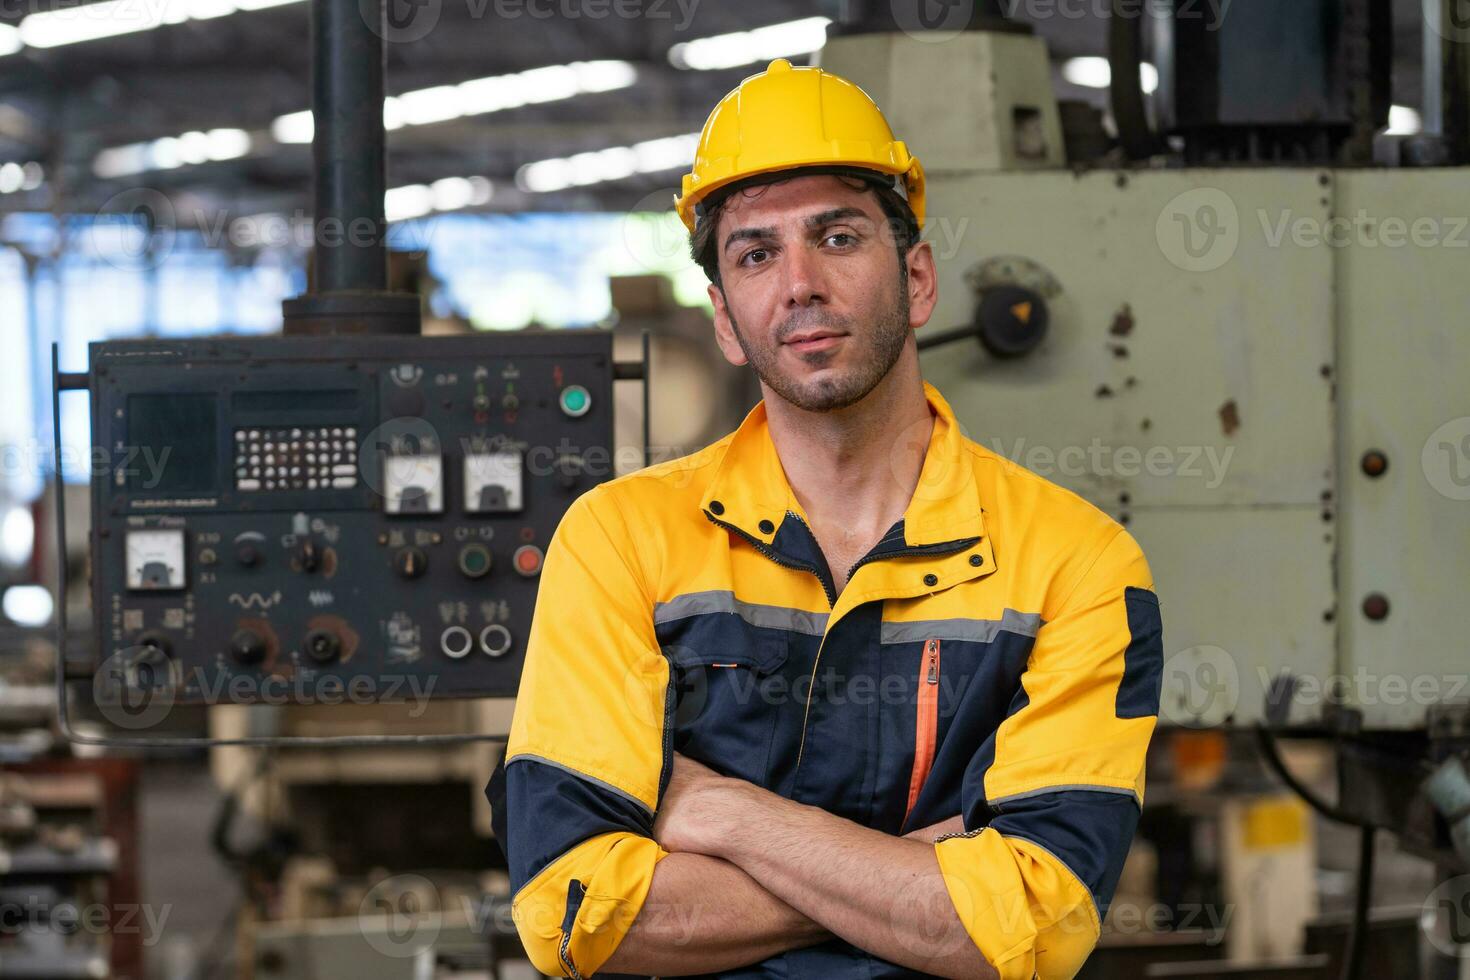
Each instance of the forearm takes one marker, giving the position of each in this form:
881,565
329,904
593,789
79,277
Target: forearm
883,894
703,915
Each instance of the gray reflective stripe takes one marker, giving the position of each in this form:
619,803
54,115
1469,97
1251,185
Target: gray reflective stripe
1065,787
519,756
978,630
724,601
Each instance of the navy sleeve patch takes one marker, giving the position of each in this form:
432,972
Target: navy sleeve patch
1143,661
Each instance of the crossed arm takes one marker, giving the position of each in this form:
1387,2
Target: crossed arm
751,874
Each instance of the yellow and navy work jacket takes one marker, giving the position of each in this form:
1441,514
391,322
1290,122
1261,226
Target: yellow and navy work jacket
996,655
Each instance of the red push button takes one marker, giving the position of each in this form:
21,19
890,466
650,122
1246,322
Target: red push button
527,560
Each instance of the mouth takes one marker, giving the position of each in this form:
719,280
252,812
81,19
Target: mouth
814,340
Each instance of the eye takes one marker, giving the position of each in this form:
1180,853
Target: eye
846,238
756,254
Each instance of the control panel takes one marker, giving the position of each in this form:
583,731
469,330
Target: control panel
317,519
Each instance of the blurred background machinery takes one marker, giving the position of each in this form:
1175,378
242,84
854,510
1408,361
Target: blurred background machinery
1201,262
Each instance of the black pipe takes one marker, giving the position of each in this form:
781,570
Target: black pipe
1125,59
347,148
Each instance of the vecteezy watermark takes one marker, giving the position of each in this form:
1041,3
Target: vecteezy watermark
139,228
137,687
1130,918
1199,231
1201,687
1446,459
1365,688
1207,463
1211,11
22,912
406,21
1363,230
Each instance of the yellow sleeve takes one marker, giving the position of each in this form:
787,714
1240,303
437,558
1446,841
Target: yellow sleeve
1063,777
587,757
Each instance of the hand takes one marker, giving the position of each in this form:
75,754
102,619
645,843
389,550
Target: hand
696,805
954,825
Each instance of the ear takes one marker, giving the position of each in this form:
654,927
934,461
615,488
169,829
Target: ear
923,284
724,332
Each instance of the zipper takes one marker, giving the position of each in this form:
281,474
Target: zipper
946,548
566,960
776,556
926,723
576,892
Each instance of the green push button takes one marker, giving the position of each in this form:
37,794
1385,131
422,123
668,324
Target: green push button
474,560
575,400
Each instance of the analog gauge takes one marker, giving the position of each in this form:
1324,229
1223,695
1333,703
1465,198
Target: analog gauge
155,559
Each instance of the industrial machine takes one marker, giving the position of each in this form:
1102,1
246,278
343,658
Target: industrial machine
301,518
1233,324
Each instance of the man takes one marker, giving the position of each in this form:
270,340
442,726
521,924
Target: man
845,694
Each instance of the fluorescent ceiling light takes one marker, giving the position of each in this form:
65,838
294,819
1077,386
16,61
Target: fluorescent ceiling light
17,535
1093,72
12,177
171,151
479,96
10,41
450,194
75,23
613,163
28,605
785,40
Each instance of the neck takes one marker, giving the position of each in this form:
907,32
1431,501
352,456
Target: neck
857,467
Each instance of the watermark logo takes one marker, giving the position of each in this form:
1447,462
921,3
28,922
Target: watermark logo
134,688
1199,231
932,21
657,245
1201,687
1449,19
401,21
1445,917
400,916
1446,459
401,460
134,230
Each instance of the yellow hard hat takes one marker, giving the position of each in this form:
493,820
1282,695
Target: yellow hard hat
786,118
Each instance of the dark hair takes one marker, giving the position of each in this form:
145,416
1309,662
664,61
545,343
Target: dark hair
901,224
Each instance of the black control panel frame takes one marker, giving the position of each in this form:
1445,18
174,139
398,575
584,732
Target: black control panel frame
255,575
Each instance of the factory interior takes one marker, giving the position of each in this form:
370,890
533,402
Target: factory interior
1203,263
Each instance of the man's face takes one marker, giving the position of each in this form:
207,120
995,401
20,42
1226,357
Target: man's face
812,297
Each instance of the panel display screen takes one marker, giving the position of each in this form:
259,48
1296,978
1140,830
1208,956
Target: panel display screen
172,444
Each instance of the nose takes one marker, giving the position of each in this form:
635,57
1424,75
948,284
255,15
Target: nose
806,281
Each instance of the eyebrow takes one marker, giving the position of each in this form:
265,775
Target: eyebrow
815,221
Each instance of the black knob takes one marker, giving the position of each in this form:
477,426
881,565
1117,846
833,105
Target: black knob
1011,320
247,647
149,663
323,646
308,556
410,562
247,554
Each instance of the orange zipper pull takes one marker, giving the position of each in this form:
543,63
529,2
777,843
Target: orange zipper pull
933,653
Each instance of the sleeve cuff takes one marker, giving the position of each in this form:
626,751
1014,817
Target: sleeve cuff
1024,909
613,873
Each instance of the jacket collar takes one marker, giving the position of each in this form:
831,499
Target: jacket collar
751,493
